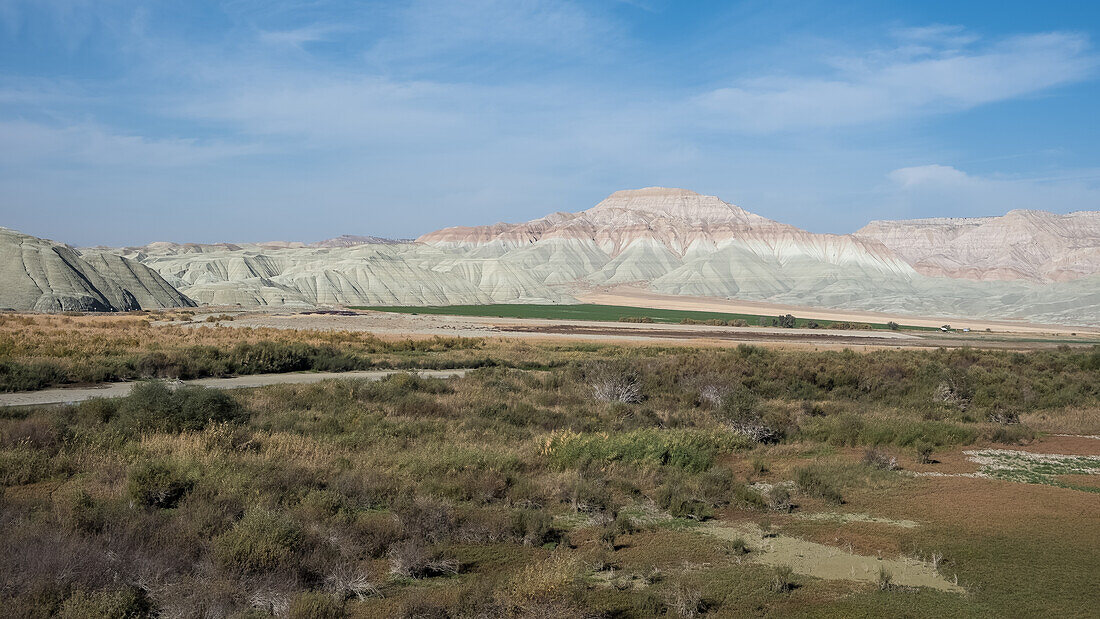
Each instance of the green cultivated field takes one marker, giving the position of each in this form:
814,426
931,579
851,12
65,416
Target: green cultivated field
590,311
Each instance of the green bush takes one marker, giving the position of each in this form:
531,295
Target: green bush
262,541
30,376
1010,435
271,357
693,450
534,527
812,482
24,465
84,514
129,603
747,496
154,406
97,410
674,498
313,605
850,430
924,450
158,484
786,321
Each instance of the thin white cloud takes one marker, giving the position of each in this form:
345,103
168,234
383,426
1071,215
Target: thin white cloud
929,175
439,31
97,146
911,81
299,37
946,191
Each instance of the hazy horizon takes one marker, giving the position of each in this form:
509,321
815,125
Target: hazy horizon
132,122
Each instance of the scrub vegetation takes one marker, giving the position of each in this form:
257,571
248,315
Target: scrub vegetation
520,490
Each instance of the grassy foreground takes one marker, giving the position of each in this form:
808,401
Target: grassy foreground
617,313
581,485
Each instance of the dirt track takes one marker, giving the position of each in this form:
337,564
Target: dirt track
118,390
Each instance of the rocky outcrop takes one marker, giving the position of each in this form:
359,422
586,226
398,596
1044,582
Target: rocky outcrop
669,240
361,274
1023,245
41,275
680,242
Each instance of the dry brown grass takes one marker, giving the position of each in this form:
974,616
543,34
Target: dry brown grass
59,336
1085,420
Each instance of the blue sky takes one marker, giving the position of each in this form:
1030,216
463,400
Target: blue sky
124,122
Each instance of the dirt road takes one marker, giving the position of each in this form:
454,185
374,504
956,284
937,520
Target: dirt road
118,390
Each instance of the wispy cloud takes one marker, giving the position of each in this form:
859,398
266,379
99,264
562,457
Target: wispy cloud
96,146
393,118
947,72
952,192
299,37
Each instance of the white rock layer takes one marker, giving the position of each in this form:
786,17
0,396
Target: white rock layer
1021,245
41,275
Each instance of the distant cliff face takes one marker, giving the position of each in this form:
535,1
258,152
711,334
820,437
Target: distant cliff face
682,242
40,275
1029,265
1021,245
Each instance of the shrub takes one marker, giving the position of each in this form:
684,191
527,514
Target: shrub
413,559
375,532
812,482
850,430
692,450
425,518
30,376
271,357
954,389
739,546
261,541
782,579
786,321
686,601
154,406
924,451
313,605
620,525
542,581
158,484
83,514
533,527
877,458
1010,434
674,498
893,326
741,411
125,603
779,498
586,495
615,384
885,579
97,410
24,465
748,496
33,432
759,466
716,486
1004,416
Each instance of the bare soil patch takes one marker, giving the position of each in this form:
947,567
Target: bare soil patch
828,562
